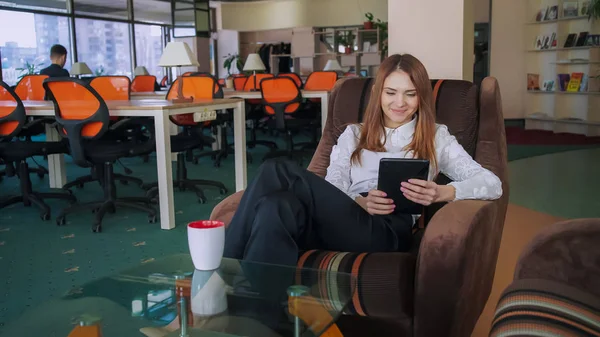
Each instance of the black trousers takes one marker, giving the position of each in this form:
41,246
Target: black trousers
287,209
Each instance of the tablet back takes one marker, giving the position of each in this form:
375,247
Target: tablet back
393,171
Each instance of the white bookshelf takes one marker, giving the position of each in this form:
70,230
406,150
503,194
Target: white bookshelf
561,111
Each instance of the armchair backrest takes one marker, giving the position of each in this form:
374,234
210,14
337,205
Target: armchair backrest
12,112
30,87
80,112
143,83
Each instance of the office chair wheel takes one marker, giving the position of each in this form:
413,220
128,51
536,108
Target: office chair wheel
223,191
202,200
45,216
124,182
152,218
195,161
61,221
217,164
40,174
97,228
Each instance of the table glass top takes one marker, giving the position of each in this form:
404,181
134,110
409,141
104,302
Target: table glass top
238,299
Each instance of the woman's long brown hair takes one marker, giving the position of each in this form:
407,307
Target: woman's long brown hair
372,135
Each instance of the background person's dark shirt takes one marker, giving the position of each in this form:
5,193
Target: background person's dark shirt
54,70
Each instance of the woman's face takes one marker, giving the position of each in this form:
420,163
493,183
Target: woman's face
399,99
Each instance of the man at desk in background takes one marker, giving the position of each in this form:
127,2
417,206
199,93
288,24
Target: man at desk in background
58,56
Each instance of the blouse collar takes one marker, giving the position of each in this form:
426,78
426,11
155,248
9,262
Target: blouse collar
404,131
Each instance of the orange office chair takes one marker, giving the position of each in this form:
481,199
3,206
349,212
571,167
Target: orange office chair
281,98
321,80
294,77
239,81
143,83
14,150
198,87
110,88
30,88
83,119
254,111
163,82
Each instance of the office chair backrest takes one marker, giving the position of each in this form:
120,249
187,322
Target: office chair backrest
249,85
12,112
112,88
218,88
280,96
143,83
321,80
239,82
30,87
163,82
198,87
294,77
80,111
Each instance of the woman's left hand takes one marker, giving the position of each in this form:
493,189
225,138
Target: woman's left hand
427,192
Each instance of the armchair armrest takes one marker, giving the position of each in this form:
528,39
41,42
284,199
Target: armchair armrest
225,210
566,252
455,267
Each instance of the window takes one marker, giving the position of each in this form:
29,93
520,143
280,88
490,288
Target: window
59,6
149,47
104,46
152,11
108,9
29,49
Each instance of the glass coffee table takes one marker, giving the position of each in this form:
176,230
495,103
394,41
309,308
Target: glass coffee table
167,297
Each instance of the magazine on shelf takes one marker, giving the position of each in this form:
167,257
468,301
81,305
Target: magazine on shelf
570,9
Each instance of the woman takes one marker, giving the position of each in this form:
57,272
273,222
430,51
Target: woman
287,209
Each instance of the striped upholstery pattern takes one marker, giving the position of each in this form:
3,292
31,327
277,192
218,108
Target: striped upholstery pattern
382,281
546,308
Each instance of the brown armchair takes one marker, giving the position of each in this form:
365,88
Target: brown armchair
559,274
441,287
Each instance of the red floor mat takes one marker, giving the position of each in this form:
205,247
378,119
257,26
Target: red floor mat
520,136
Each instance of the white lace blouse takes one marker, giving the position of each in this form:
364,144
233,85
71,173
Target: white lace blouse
470,179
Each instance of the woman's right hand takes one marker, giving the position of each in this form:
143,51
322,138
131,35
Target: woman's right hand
376,203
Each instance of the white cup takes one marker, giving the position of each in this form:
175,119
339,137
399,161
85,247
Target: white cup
208,293
206,240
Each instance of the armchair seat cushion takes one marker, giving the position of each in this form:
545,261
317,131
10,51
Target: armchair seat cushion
384,281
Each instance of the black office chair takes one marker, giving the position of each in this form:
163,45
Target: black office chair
198,87
13,151
83,119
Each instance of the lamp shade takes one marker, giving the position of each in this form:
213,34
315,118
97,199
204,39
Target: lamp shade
177,54
333,65
253,62
80,68
141,70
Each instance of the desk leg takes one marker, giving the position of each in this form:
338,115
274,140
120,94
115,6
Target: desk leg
174,130
324,109
57,171
239,130
162,126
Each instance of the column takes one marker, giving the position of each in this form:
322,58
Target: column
440,33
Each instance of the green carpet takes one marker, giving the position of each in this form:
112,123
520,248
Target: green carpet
39,260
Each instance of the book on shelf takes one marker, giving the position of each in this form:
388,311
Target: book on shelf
563,81
545,41
584,82
552,13
548,85
581,39
570,9
533,81
570,41
574,82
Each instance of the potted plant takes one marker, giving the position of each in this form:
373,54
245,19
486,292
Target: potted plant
383,36
349,42
29,69
230,61
593,10
368,24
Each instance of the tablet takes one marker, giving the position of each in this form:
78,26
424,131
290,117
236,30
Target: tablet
392,172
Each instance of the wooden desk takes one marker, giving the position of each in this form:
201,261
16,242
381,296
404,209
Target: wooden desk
148,95
323,95
160,110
